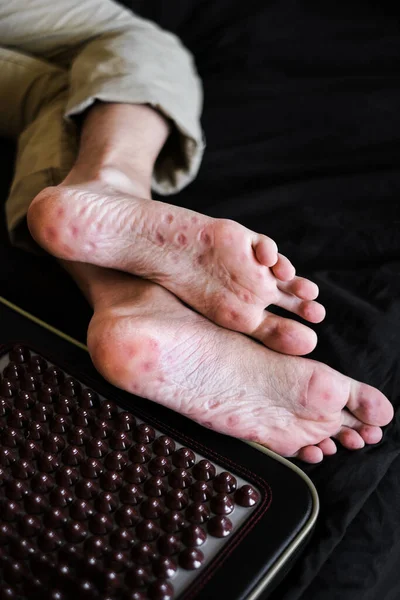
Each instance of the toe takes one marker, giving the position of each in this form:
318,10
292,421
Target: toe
349,438
369,405
300,287
283,269
328,447
370,434
285,335
310,454
311,311
265,250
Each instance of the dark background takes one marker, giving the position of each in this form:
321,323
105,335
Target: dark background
302,120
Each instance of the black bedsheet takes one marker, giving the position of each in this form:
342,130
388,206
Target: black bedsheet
302,119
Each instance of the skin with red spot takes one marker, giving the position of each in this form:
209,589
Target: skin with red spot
160,238
205,238
51,233
130,350
234,315
169,218
60,212
181,239
148,366
74,231
200,259
195,220
233,420
215,404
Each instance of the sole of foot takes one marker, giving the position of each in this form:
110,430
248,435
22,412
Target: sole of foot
144,340
218,267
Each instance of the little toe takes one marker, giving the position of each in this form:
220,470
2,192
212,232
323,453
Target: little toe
300,287
283,269
328,447
285,335
265,250
310,454
309,310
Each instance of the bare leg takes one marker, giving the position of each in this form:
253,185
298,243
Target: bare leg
102,214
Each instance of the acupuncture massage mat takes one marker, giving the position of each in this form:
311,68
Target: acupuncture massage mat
104,495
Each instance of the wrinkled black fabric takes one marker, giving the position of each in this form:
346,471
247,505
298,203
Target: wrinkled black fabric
302,120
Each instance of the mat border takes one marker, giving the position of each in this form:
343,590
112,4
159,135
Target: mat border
301,536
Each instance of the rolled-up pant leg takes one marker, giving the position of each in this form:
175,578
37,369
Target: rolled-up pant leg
33,97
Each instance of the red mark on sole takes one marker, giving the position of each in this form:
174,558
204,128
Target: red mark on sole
181,239
130,351
201,259
247,298
234,315
169,218
74,231
148,366
66,250
194,220
205,238
233,420
215,404
51,233
160,239
154,344
60,212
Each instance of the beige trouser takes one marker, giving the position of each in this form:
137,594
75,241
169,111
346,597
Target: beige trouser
58,58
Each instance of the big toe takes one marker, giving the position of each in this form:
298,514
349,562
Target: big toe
369,405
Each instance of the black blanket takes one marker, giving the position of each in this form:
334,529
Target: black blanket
302,120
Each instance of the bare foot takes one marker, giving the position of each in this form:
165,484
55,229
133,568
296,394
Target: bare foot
223,270
144,340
